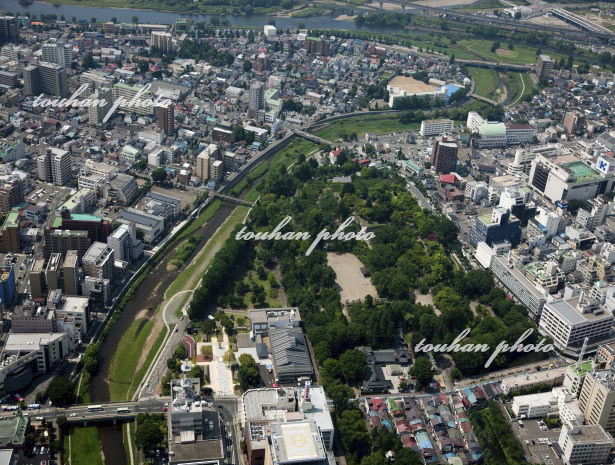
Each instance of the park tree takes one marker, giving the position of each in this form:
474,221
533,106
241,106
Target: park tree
353,363
61,391
423,371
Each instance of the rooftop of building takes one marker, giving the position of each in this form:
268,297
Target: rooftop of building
492,129
12,220
582,172
28,342
566,310
581,369
13,430
296,441
589,434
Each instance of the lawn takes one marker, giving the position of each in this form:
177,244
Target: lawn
272,300
486,81
85,446
519,85
124,364
520,54
184,250
379,124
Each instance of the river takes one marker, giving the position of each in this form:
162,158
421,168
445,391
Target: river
124,15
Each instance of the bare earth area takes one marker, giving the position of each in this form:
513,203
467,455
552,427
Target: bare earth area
550,21
503,51
353,285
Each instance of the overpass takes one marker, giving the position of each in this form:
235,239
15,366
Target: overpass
579,21
311,137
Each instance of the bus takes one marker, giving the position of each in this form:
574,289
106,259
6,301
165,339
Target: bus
123,410
95,408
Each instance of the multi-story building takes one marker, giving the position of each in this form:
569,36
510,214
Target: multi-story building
96,113
166,119
128,93
11,193
256,98
7,286
572,318
194,428
125,244
593,212
58,53
45,78
70,272
444,155
521,288
597,399
63,240
493,134
98,261
500,225
436,127
584,444
162,205
163,41
544,66
545,276
9,29
43,167
152,226
567,178
204,161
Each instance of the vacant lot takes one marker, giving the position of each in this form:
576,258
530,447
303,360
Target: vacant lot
353,286
186,197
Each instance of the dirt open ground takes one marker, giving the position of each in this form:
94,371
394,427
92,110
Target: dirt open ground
353,285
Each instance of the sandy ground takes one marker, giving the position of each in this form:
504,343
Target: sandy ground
186,197
353,286
345,18
427,299
503,51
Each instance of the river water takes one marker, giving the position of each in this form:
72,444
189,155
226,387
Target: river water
124,15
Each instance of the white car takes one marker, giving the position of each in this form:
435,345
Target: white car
73,414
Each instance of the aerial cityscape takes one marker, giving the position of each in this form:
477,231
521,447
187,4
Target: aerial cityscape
307,233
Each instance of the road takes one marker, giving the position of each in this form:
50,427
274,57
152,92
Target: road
228,408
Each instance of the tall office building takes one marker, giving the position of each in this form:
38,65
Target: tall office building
96,113
45,78
58,53
11,193
163,41
61,166
166,119
544,66
444,155
9,29
597,399
257,98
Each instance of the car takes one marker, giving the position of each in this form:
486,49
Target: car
73,415
181,318
220,406
165,409
40,418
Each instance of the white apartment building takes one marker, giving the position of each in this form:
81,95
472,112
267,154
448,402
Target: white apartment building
57,53
204,161
572,318
521,288
539,405
585,444
436,127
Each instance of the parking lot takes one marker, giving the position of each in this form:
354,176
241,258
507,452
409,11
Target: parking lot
532,437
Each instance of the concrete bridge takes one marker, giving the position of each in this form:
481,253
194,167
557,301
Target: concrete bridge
234,200
496,66
312,137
